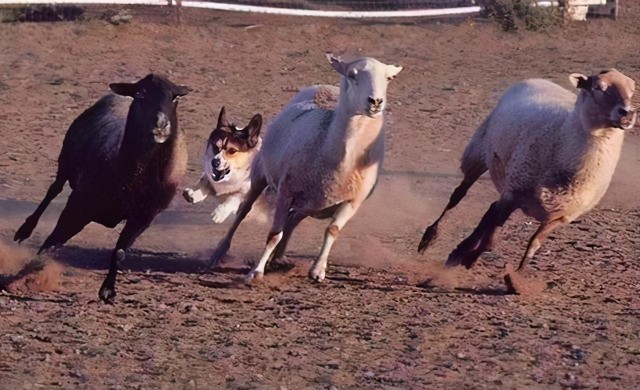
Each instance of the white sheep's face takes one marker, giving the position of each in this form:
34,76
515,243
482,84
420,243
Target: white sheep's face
365,83
611,93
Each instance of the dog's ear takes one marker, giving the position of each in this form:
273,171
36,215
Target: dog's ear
222,119
253,130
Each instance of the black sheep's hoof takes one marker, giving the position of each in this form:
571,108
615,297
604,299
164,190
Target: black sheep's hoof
107,293
460,257
24,232
455,259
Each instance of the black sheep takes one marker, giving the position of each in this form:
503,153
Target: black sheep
123,160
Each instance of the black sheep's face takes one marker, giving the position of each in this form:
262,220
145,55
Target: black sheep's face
155,100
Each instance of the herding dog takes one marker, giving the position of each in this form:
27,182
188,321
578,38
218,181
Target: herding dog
229,153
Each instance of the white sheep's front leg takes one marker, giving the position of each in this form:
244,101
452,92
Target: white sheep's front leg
344,213
200,192
226,208
342,216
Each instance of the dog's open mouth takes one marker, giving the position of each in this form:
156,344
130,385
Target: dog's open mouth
217,175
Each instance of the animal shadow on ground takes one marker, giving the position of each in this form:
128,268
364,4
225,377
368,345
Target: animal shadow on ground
490,291
136,260
166,262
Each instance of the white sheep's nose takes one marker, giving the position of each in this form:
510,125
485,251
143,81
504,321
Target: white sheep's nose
375,105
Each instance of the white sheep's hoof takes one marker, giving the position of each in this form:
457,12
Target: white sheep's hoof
187,194
316,274
253,276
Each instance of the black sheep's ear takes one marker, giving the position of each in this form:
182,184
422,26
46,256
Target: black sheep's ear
180,90
253,129
124,89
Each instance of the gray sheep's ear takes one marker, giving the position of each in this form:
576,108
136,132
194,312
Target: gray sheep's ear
580,81
124,89
253,129
337,64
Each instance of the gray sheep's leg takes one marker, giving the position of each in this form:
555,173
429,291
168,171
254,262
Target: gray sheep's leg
257,187
30,223
132,230
536,241
460,192
468,251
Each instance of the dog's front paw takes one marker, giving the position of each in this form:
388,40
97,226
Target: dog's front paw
220,214
187,194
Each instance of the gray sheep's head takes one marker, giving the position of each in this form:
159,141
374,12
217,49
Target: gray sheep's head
155,100
610,93
364,83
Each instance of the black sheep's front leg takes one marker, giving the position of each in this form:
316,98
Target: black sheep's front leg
131,231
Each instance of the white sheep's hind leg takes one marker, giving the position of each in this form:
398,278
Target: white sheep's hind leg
275,235
226,208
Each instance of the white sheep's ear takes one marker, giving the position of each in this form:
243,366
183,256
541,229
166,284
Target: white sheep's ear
578,80
392,71
337,64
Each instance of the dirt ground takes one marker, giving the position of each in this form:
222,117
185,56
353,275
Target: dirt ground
386,317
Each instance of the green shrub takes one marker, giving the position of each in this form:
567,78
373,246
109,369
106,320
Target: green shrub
513,15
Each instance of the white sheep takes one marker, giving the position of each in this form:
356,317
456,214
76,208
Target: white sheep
321,162
549,154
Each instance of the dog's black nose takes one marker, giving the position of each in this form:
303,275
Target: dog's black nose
215,163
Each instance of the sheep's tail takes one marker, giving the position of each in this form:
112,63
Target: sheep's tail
473,158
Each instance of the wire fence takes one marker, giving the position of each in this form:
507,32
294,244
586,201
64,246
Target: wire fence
55,10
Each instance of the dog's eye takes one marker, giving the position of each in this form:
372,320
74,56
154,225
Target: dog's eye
231,151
